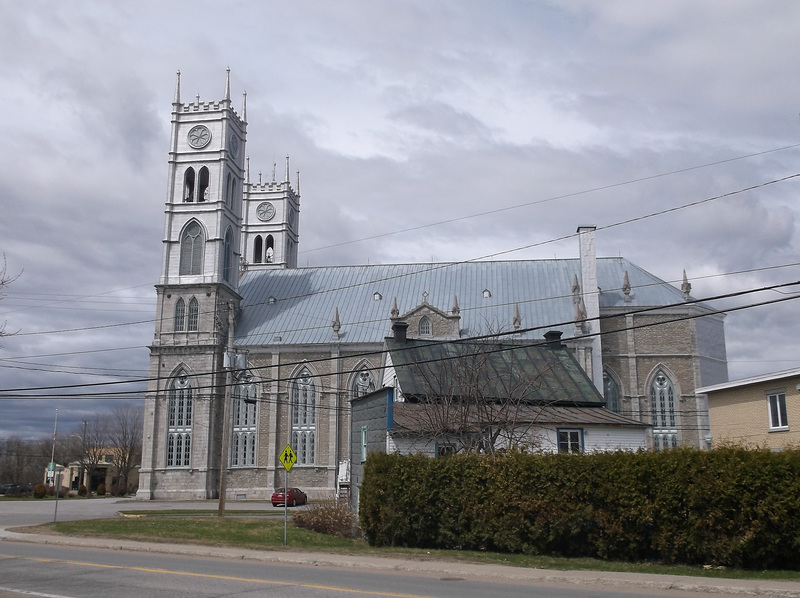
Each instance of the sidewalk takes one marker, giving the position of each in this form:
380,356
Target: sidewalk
435,567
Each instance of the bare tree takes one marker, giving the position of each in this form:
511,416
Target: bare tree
125,439
93,435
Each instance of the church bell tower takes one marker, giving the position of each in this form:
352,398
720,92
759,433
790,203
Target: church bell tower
196,298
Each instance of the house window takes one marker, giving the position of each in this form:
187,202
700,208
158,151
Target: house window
424,326
179,422
611,392
180,315
363,443
570,441
191,250
243,443
194,315
662,401
304,418
777,411
445,450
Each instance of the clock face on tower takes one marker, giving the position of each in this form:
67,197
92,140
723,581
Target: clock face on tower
234,145
199,136
265,211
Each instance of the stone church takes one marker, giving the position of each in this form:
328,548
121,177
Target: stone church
252,353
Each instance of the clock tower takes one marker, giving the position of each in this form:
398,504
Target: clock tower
197,298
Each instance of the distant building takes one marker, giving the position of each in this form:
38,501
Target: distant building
251,353
762,411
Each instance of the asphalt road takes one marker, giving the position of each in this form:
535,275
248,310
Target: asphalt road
64,567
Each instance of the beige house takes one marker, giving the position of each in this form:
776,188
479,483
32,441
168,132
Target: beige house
762,411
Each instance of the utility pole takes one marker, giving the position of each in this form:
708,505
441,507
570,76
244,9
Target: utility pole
228,363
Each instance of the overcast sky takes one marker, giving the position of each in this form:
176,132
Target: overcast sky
474,128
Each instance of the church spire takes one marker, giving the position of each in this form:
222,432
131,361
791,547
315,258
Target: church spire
517,321
286,177
686,287
228,83
177,98
244,106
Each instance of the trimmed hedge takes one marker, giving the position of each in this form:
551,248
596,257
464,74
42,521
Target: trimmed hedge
728,506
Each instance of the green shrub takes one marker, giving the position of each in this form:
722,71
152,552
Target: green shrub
329,517
729,506
40,491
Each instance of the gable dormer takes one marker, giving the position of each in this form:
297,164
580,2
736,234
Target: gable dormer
428,321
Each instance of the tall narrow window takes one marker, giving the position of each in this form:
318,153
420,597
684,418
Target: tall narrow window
258,249
202,186
180,315
304,418
424,326
777,411
194,315
179,422
227,258
662,400
364,438
611,392
192,243
188,185
243,447
270,251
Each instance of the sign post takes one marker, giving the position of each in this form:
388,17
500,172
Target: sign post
288,458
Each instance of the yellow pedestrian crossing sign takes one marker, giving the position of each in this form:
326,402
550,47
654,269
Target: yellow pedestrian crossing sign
288,458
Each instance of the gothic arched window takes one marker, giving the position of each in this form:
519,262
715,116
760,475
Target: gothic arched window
194,315
304,417
179,422
258,249
202,187
243,443
662,402
227,258
192,243
188,185
180,315
270,253
424,326
611,393
363,383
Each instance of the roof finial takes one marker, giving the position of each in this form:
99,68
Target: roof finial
456,309
177,98
686,287
395,312
336,324
517,321
247,169
228,83
286,178
244,106
297,189
626,287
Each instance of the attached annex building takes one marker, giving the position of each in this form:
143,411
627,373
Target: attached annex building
251,353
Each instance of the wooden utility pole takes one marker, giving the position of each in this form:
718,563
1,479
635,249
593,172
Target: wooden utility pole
228,363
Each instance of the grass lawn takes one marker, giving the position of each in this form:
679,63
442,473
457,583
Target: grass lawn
265,530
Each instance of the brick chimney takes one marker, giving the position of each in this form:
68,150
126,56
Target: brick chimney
399,329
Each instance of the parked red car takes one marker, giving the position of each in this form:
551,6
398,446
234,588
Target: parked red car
292,498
